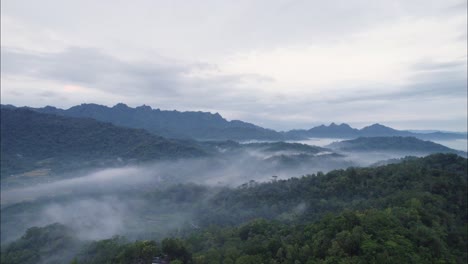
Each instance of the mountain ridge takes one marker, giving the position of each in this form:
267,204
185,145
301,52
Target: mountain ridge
345,131
394,143
208,126
169,124
30,139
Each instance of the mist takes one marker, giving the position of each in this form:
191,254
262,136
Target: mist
230,169
144,201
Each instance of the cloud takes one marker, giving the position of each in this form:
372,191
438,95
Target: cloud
427,66
448,86
268,62
92,67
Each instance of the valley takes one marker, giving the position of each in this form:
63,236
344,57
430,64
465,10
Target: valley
234,132
95,181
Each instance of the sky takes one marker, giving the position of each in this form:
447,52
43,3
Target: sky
280,64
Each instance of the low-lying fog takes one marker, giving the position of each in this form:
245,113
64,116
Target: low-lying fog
458,144
321,142
111,201
232,170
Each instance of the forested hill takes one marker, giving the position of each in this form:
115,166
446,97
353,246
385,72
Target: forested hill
29,138
411,212
406,144
170,124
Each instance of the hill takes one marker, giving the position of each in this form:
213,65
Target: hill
410,212
396,144
170,124
344,131
31,140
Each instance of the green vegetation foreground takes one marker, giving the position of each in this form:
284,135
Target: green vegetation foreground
411,212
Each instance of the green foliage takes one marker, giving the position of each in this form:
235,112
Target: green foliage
175,250
440,178
50,244
30,138
411,212
118,251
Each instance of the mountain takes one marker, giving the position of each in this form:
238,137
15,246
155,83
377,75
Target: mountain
32,140
375,130
378,130
389,144
170,124
333,130
208,126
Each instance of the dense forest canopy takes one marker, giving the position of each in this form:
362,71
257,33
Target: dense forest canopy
411,212
32,140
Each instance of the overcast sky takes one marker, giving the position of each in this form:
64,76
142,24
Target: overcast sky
281,64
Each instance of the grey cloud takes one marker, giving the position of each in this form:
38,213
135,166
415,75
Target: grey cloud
431,80
48,94
425,66
91,67
97,70
15,93
212,27
440,79
461,6
207,31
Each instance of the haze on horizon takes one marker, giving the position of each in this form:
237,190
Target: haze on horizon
280,64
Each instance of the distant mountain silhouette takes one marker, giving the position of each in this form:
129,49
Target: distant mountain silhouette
333,130
392,144
170,124
208,126
344,131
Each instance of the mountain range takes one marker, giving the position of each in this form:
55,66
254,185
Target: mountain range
394,210
209,126
32,140
345,131
170,124
38,147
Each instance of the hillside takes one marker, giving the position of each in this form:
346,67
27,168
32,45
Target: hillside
170,124
32,140
410,212
389,144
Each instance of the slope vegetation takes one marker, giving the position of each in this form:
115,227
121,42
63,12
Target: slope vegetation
411,212
34,140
